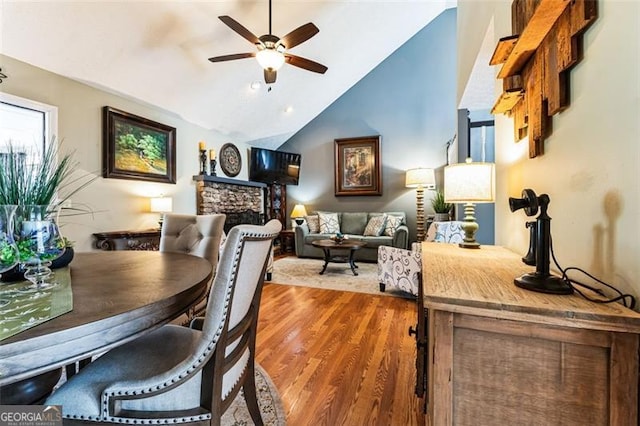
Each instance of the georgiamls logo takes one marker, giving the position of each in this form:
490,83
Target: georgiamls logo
34,415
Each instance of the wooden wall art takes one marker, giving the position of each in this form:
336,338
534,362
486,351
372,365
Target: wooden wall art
536,63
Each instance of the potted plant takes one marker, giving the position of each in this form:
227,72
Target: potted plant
67,256
46,182
30,185
441,208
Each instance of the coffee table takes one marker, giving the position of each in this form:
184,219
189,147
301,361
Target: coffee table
329,246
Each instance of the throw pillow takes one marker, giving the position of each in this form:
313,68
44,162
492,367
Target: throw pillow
328,223
375,227
313,223
393,222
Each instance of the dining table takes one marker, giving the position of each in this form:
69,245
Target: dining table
117,296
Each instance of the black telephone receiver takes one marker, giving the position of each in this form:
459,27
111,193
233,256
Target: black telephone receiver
539,246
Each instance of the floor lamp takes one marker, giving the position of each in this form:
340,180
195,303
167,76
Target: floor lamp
420,178
469,183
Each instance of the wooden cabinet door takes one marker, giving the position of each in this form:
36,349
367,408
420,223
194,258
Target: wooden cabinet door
494,372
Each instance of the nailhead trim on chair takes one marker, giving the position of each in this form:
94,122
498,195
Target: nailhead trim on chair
142,421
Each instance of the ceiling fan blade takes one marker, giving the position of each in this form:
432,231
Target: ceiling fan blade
232,57
299,35
269,76
304,63
237,27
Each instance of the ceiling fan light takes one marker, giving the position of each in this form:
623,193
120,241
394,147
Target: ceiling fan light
270,59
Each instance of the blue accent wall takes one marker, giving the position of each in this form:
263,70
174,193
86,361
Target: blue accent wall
410,101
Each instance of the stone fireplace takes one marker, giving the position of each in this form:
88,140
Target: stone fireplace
241,201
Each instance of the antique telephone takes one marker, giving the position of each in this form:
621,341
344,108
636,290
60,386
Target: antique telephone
539,246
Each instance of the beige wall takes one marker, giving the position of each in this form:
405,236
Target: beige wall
592,160
117,204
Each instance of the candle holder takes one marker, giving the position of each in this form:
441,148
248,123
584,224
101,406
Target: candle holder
203,161
212,168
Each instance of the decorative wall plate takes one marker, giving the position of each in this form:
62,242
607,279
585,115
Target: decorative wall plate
230,160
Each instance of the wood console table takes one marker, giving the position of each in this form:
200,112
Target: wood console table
148,239
498,354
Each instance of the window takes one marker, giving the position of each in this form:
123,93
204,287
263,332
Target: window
26,124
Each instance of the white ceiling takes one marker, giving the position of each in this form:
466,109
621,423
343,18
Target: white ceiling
156,52
479,90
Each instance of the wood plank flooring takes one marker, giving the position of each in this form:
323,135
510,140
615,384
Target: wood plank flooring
339,358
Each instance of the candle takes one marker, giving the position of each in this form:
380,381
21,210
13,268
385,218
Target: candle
212,154
201,146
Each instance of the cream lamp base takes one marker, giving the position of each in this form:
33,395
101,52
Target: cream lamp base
420,233
470,226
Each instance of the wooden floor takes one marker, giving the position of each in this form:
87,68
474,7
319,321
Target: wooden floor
339,358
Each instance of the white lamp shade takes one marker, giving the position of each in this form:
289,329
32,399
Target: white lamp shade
162,204
298,211
270,59
420,177
470,183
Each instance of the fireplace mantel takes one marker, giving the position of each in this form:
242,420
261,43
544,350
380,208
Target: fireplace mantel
217,179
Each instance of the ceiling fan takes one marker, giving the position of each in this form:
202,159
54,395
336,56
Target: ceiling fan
272,50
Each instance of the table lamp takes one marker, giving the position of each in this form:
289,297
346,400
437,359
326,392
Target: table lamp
298,213
420,178
469,183
161,205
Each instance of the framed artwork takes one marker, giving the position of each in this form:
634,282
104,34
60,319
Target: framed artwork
134,147
358,170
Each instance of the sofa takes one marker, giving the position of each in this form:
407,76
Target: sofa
373,228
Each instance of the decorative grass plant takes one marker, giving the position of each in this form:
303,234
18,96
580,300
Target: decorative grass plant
48,181
438,203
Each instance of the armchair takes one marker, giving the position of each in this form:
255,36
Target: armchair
399,268
445,232
177,374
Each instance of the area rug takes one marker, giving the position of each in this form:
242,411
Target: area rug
268,399
338,276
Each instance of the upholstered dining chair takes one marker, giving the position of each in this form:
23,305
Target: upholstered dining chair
179,374
197,235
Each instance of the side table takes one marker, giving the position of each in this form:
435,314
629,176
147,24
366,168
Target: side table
148,239
287,241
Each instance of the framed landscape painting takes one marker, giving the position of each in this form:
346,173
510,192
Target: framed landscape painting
358,170
137,148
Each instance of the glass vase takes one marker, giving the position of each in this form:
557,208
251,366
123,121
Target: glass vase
39,243
8,250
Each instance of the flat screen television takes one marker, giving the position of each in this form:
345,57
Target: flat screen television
269,166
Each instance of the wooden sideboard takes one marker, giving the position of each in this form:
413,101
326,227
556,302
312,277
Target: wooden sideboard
498,354
148,239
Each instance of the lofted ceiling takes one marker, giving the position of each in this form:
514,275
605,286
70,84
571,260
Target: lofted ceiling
156,52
